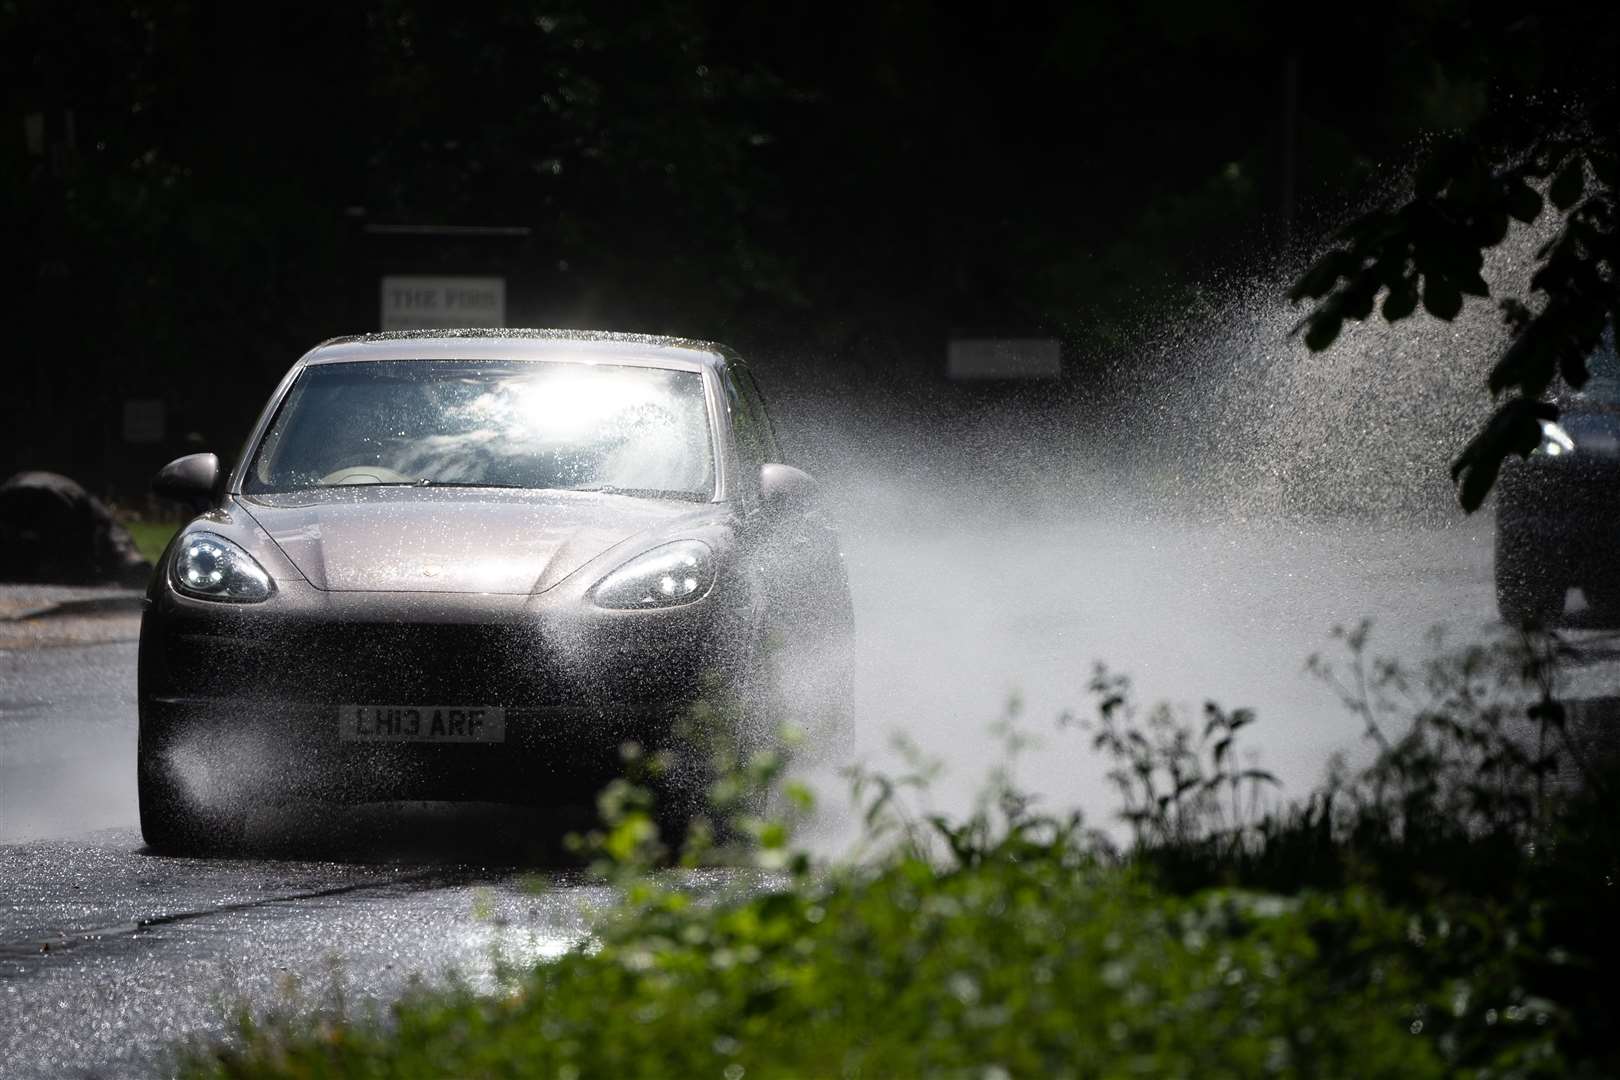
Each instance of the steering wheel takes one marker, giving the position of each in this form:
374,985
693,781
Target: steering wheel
364,474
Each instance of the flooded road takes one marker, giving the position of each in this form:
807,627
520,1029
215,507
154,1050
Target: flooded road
108,954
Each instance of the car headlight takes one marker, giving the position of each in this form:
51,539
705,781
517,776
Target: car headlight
1555,441
210,567
673,574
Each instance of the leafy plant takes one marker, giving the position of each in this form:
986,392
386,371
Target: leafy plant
1178,786
1474,738
1428,249
1440,911
718,794
1020,960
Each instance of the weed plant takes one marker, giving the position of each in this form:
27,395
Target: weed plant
1444,909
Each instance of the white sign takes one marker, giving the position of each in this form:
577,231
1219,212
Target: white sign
1004,358
434,303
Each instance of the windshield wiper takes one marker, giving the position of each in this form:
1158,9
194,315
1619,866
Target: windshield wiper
641,493
426,482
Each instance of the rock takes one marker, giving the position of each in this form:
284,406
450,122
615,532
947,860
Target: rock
52,530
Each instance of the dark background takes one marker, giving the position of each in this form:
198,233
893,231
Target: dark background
196,193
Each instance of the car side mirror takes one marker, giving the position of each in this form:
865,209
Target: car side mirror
191,479
784,489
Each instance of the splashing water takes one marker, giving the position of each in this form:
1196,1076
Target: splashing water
1205,540
1260,427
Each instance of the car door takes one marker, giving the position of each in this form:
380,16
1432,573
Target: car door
799,557
809,618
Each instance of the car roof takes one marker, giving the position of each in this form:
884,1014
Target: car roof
521,344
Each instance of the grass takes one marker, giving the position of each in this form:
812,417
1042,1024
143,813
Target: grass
151,537
1445,911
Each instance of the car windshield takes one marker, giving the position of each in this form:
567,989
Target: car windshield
600,427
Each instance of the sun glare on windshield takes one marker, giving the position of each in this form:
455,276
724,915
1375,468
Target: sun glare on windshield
569,404
477,424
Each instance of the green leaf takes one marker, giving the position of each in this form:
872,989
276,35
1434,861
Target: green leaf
1401,301
1570,182
1441,298
1324,328
1515,428
1316,282
1471,184
1477,482
1572,366
1524,202
1607,168
1491,227
1356,302
1439,171
1528,362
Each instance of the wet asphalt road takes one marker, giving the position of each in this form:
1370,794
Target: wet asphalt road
67,735
111,958
108,955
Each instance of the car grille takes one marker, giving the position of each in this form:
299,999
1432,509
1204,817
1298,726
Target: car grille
380,664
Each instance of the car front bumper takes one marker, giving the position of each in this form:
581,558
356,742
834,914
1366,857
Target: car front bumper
251,694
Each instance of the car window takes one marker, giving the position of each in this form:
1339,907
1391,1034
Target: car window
756,442
491,424
747,425
751,394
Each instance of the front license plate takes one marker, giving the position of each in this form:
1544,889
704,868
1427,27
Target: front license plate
421,723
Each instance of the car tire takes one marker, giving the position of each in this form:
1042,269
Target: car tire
1529,590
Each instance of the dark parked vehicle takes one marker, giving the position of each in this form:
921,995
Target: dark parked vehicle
1558,511
469,566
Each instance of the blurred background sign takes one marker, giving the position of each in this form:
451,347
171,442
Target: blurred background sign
1003,358
412,302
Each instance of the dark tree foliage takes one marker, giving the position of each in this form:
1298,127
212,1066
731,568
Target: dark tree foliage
1551,135
844,185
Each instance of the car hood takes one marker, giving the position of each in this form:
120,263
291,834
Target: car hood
388,539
